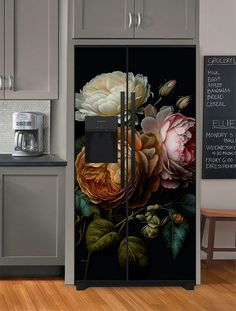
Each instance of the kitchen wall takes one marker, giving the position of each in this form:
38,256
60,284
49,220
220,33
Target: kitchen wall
218,37
6,110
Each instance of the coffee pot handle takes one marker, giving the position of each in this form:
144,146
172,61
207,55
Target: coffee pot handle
18,141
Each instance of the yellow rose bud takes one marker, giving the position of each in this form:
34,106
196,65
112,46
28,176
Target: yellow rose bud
183,102
167,88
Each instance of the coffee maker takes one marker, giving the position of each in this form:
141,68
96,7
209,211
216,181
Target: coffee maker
28,133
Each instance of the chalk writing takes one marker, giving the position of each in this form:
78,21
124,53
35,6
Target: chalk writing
219,139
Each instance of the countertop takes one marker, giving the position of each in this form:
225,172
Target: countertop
42,160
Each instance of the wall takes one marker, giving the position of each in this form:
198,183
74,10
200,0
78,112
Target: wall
218,37
6,110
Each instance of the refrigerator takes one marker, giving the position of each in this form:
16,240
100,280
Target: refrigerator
135,164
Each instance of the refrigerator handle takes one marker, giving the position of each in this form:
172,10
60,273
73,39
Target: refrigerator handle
122,150
133,116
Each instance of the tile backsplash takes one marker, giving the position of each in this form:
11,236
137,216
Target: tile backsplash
6,110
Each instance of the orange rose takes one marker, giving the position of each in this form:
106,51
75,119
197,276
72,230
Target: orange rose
101,181
150,157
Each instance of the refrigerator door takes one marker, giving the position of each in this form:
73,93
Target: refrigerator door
100,193
161,215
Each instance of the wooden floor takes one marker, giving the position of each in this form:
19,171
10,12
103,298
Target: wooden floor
217,292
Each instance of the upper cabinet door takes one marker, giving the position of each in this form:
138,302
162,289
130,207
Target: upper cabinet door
103,18
31,49
165,19
2,49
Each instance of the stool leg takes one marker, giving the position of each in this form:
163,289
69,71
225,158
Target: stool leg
203,222
211,240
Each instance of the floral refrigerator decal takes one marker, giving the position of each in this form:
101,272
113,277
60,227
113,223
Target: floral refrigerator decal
141,229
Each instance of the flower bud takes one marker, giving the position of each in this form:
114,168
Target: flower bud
149,232
141,217
183,102
156,220
167,88
152,224
178,218
150,208
153,207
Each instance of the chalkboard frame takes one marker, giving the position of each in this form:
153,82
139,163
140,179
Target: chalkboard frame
216,173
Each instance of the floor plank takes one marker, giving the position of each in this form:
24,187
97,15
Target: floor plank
216,293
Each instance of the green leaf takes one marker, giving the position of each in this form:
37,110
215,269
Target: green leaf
137,252
79,144
188,203
100,235
83,206
174,236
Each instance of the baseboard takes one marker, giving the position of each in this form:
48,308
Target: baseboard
84,284
31,271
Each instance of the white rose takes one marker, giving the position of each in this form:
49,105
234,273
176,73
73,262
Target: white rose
101,95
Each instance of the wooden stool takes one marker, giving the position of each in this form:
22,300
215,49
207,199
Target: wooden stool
214,215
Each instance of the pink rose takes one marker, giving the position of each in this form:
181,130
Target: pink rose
177,134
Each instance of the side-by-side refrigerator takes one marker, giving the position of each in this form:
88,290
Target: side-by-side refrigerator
135,164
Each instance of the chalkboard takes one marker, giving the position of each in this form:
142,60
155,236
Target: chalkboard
219,134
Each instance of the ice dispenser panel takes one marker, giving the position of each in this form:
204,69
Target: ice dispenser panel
101,139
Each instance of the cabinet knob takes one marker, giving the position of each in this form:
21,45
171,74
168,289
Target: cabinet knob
1,82
130,20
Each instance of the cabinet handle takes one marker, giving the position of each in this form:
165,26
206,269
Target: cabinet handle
139,19
130,20
10,79
1,83
122,151
133,177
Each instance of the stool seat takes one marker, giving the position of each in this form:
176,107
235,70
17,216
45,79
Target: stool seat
213,215
208,212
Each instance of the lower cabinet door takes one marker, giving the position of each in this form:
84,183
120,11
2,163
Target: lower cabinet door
32,216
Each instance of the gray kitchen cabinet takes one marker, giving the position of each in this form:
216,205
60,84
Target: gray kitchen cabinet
32,216
1,49
31,49
165,19
157,19
103,18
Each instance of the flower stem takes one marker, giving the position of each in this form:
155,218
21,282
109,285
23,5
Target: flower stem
109,216
175,201
87,266
159,99
122,227
81,232
130,217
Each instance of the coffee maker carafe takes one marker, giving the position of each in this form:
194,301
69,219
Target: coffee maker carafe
28,133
